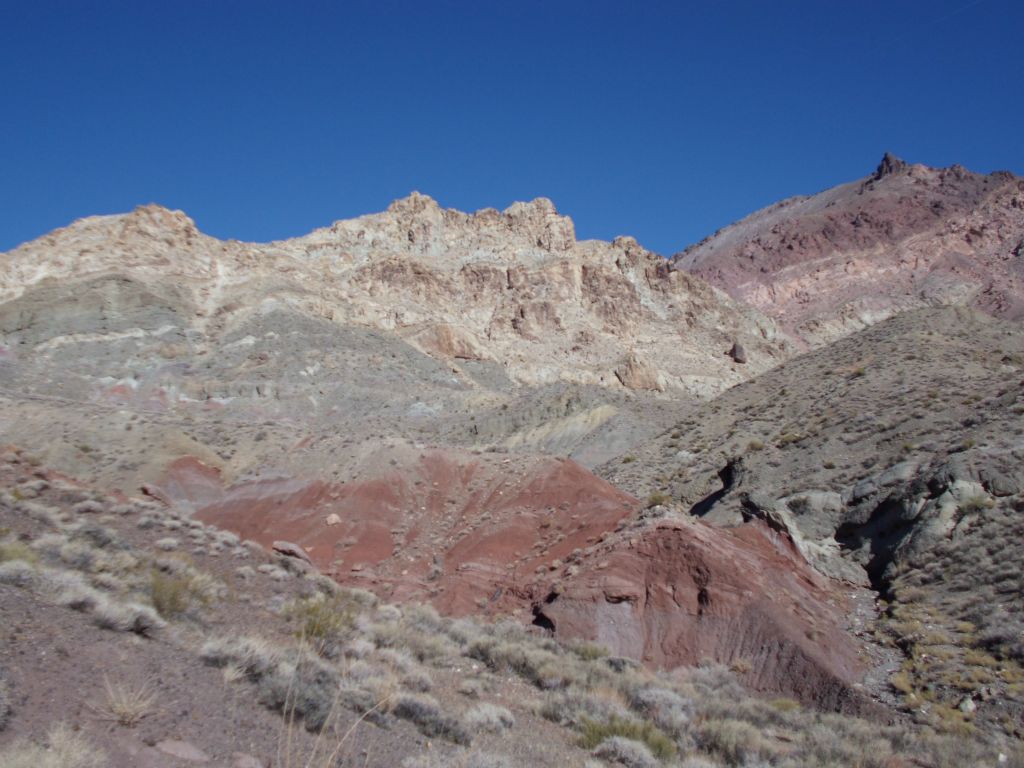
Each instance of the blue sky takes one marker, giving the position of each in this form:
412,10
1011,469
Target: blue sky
663,120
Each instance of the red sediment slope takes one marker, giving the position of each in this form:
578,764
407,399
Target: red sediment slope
484,534
454,529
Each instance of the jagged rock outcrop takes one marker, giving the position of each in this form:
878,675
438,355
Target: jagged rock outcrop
906,236
860,451
891,459
890,164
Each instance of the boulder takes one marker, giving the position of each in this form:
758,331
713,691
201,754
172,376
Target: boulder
183,750
288,549
636,373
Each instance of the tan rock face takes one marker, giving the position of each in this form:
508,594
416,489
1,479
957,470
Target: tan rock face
907,236
639,374
449,341
512,287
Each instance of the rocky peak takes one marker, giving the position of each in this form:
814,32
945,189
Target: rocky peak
415,202
542,223
155,221
890,164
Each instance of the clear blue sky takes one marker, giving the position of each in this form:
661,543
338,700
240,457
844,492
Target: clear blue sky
663,120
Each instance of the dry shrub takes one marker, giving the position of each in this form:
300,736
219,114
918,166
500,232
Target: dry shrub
489,717
426,713
735,741
323,622
296,682
18,573
627,752
65,749
5,700
128,617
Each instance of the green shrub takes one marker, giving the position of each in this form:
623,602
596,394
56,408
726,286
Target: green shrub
323,621
173,595
15,550
593,732
658,499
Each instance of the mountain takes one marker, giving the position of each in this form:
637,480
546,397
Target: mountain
368,476
906,236
483,330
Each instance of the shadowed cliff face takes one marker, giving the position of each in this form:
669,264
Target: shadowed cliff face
907,236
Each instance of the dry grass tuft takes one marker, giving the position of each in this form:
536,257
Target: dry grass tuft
125,704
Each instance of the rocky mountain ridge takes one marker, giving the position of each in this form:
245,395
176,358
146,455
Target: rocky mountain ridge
903,237
513,288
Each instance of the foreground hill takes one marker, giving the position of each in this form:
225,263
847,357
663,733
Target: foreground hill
907,236
136,636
